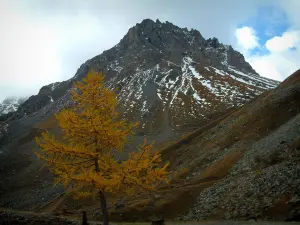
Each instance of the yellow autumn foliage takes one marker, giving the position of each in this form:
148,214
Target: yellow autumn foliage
84,157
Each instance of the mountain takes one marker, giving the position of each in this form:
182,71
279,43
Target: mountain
167,77
10,104
174,81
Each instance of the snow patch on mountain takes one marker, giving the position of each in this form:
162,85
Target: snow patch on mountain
10,104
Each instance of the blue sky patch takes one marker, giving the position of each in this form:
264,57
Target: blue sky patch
269,21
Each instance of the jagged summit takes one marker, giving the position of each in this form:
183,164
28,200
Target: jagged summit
151,34
166,39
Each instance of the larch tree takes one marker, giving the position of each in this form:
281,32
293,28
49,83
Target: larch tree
93,132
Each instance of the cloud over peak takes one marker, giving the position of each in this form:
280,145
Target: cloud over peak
287,41
270,41
246,38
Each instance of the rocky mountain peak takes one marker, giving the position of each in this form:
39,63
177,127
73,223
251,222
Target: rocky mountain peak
166,39
213,42
159,35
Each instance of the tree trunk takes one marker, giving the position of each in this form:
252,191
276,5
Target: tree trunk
102,199
104,208
84,218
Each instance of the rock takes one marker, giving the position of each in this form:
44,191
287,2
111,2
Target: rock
294,200
119,204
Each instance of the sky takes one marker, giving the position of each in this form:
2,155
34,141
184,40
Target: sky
44,41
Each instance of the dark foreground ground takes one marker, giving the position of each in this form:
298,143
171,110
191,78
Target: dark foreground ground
13,217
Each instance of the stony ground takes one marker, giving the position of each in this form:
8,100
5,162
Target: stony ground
27,218
233,223
9,218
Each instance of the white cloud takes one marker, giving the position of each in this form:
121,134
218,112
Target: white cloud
284,51
285,42
283,58
275,66
246,38
28,54
36,50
